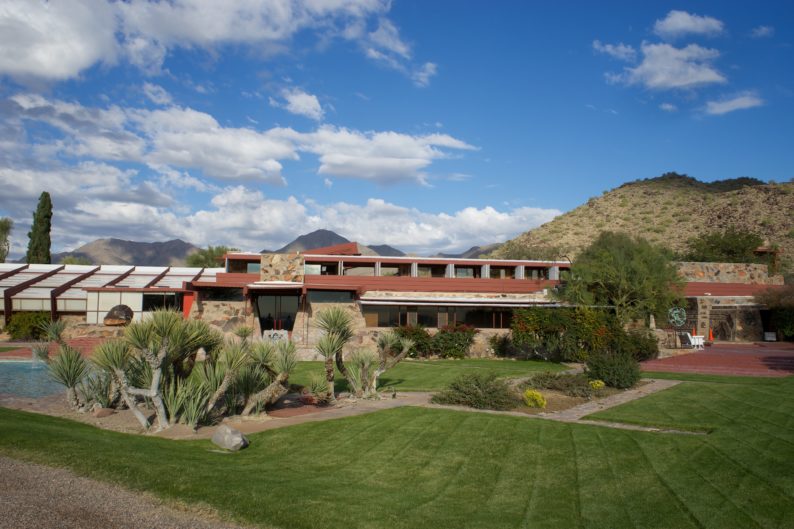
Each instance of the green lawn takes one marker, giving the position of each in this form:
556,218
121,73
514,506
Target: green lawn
4,348
427,468
431,375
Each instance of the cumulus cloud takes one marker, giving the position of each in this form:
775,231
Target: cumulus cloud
60,40
618,51
185,138
666,67
157,94
298,102
679,23
761,32
740,101
55,40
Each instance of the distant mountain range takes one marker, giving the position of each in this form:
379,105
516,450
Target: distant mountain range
121,252
472,253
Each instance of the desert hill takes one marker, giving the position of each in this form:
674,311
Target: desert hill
121,252
670,210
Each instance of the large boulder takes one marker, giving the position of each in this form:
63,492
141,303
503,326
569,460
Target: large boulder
118,315
228,438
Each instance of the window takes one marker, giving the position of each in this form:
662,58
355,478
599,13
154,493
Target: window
237,267
536,274
395,270
222,294
321,269
432,271
253,268
382,315
469,272
427,316
503,272
483,317
330,296
152,302
367,269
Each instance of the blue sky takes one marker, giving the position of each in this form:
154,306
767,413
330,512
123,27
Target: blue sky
431,126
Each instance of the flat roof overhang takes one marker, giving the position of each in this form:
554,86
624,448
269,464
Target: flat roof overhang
448,302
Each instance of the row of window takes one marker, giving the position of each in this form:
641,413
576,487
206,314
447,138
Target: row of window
436,316
438,271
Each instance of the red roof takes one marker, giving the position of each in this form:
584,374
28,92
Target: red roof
348,248
695,289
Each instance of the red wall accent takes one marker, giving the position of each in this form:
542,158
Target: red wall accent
187,303
362,284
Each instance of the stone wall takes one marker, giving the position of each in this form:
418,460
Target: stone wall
745,273
730,319
86,330
223,315
282,267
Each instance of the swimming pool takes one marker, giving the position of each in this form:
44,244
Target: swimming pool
26,379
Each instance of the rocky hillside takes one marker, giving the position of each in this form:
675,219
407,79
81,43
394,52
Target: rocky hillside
670,210
121,252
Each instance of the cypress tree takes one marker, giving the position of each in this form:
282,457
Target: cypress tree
39,234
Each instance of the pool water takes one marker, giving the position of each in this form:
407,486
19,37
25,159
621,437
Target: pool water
26,379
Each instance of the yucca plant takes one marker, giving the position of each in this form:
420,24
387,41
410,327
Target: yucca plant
115,357
250,380
69,368
369,366
174,399
283,363
331,345
97,388
194,407
53,330
338,323
233,357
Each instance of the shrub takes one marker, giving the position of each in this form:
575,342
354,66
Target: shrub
597,384
641,344
27,325
617,369
478,390
422,340
503,346
534,399
453,341
562,334
577,385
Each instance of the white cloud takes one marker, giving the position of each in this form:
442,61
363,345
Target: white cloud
421,76
383,157
666,67
157,94
60,39
679,23
761,32
738,102
184,138
387,36
301,103
668,107
55,40
327,182
619,51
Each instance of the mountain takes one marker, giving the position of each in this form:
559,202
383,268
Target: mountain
472,253
386,250
323,238
120,252
670,210
315,239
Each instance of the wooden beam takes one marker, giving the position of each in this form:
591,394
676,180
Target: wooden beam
57,291
10,291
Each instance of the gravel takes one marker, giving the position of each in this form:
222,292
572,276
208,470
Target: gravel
36,496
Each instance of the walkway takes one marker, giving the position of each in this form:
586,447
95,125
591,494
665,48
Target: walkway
24,350
757,359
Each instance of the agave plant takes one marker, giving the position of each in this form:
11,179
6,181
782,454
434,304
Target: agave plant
53,331
69,368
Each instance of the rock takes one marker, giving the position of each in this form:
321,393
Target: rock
118,315
103,412
228,438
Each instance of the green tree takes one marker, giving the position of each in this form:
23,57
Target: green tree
631,275
6,225
39,234
76,260
780,302
209,257
729,246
